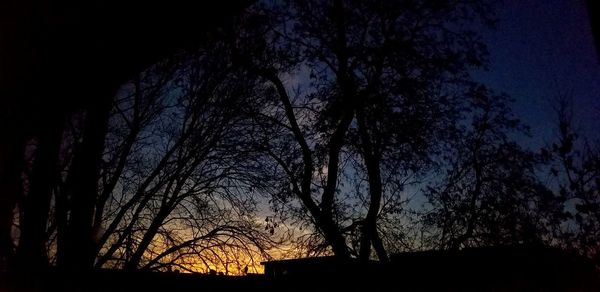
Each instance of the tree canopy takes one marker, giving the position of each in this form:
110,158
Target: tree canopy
346,128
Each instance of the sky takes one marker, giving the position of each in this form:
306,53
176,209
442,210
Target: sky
539,49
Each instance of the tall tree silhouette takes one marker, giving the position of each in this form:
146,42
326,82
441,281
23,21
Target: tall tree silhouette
46,68
490,193
372,79
575,165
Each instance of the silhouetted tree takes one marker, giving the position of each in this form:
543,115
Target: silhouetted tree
376,79
407,110
490,193
575,165
58,59
174,187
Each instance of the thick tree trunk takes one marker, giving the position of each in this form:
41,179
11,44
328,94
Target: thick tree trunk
15,51
11,161
36,205
82,187
333,236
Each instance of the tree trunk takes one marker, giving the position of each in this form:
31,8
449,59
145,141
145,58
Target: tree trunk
134,261
32,243
323,215
82,187
333,236
11,162
372,161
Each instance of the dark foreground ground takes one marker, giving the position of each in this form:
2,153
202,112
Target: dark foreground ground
491,269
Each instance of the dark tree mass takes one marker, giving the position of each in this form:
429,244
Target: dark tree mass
206,138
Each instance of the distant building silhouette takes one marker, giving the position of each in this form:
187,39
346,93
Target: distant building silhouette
327,267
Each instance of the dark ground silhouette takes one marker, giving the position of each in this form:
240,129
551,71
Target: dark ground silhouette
476,269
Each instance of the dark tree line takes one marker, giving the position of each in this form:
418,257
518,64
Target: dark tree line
496,192
490,192
335,114
575,166
59,60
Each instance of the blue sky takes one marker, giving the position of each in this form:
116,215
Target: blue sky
541,48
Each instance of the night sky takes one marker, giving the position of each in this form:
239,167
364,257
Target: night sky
539,49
